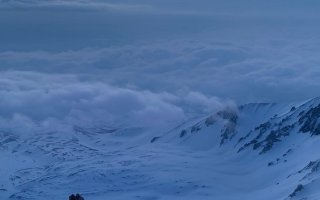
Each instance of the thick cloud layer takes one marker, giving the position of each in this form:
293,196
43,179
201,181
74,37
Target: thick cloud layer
148,61
247,71
30,100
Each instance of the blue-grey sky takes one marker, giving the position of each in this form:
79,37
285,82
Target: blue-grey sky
143,58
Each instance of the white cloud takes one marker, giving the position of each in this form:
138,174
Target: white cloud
31,100
282,70
73,4
200,101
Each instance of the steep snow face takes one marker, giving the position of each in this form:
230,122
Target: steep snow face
277,144
257,151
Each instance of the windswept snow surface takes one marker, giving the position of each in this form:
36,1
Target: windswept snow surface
258,151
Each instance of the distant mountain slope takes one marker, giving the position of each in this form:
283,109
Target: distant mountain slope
257,151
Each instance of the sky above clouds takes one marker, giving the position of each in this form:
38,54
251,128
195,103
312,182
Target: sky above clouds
152,59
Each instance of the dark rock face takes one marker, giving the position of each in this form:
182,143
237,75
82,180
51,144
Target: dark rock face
275,136
229,130
262,129
154,139
272,131
183,133
296,191
309,121
195,128
228,118
313,166
229,115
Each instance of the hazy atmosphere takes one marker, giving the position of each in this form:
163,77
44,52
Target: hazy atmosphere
151,63
202,52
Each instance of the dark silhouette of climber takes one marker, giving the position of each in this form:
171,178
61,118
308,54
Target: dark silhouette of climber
76,197
72,197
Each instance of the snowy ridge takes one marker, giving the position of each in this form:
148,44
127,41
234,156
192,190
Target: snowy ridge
257,151
278,136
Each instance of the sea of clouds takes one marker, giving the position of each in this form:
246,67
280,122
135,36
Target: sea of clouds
32,101
150,63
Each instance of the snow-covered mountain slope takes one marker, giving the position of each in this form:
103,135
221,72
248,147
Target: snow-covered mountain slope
257,151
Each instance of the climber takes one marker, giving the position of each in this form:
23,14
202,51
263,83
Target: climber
76,197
